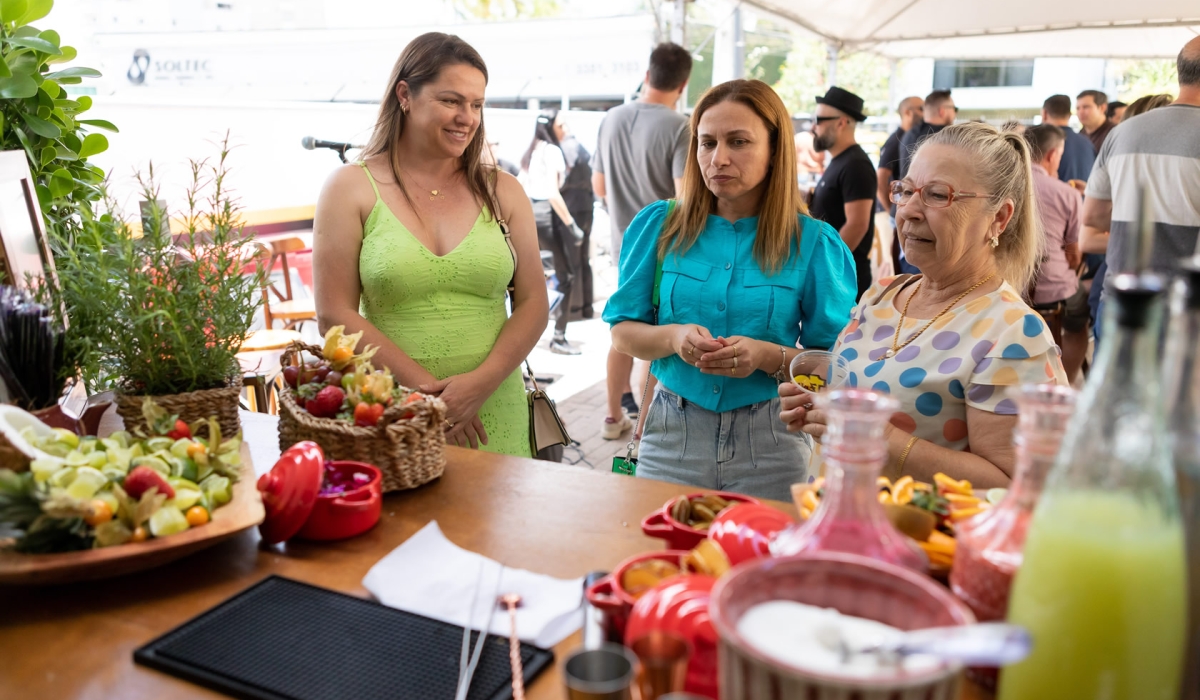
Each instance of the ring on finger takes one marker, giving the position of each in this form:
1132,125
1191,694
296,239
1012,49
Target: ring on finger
735,362
692,351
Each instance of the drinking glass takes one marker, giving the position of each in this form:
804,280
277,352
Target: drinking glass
605,673
816,371
662,666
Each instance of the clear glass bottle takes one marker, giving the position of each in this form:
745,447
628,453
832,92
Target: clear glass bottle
1181,373
850,517
990,545
1101,587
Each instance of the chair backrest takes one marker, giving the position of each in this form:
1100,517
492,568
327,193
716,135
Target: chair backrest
279,251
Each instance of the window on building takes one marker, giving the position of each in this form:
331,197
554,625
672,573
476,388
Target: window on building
971,74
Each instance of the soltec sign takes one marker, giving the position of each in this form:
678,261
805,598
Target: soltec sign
144,67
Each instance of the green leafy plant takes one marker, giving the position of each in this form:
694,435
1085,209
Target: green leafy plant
38,116
161,313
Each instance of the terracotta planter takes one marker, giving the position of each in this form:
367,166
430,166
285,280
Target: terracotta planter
192,406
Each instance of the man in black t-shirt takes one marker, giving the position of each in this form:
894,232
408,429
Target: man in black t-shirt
911,111
845,196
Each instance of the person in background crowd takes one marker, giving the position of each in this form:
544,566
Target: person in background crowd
407,249
1145,103
1115,111
949,342
810,162
745,275
1155,154
845,196
640,155
911,111
1078,153
1057,284
938,113
1091,107
577,193
543,170
491,156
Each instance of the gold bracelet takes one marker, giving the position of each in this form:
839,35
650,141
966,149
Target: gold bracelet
904,455
781,373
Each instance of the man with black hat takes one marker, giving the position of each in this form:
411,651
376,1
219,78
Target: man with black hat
845,196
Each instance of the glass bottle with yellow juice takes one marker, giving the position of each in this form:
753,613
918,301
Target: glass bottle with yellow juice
1102,588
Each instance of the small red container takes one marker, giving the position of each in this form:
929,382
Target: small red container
661,525
679,605
609,595
744,531
295,508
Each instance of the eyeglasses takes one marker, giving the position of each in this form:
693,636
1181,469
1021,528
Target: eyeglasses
825,119
935,195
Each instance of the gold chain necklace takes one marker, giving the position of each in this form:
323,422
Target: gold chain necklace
433,194
903,314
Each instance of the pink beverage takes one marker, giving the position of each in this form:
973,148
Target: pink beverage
990,545
850,517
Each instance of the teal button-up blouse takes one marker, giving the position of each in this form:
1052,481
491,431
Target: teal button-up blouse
718,284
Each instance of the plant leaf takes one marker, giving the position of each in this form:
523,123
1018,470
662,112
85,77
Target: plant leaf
65,153
5,71
69,81
35,43
61,183
48,154
68,54
41,127
51,89
50,35
18,86
100,124
93,144
37,10
84,102
13,10
73,72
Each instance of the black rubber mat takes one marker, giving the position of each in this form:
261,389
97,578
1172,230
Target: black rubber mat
283,639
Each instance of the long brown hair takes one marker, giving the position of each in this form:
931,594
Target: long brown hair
778,215
419,63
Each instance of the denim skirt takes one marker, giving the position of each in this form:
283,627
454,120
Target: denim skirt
747,450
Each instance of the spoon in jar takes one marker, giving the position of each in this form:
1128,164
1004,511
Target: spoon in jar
512,601
990,644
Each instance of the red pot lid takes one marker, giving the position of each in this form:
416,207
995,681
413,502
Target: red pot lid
744,531
289,491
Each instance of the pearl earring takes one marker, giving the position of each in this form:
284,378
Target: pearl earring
995,241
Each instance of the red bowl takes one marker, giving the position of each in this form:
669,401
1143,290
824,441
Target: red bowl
744,531
661,525
680,605
850,584
353,512
609,595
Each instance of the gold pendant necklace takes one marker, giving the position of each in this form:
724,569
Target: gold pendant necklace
433,194
897,346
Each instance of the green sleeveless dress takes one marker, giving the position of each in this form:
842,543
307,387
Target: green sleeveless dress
445,312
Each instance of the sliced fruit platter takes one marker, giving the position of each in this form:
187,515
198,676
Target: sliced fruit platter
75,507
925,512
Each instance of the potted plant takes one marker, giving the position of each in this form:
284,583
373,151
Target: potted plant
162,314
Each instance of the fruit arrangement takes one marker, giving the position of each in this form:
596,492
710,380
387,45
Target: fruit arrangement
647,574
343,385
83,492
925,512
699,512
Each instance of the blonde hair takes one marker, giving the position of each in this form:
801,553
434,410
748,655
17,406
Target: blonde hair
778,222
1002,166
420,63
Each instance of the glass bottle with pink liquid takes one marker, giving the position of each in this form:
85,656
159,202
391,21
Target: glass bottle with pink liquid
990,544
850,517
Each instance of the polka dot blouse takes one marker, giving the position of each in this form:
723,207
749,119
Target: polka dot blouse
969,357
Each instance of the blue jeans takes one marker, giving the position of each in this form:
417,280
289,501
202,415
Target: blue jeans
747,450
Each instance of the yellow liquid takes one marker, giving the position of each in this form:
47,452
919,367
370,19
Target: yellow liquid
1102,592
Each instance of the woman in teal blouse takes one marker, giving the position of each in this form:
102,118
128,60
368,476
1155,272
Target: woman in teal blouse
746,277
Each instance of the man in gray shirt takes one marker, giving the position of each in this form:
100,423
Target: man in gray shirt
640,154
1157,152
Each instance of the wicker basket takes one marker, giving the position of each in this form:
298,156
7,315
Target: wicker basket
190,407
410,451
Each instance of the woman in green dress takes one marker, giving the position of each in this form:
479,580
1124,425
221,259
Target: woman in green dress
407,248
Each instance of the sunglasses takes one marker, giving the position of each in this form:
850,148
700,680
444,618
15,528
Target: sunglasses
824,119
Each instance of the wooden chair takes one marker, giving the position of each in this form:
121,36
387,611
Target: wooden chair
286,307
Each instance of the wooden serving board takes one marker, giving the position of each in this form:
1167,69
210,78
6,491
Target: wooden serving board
244,510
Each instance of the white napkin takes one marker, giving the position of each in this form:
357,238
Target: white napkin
431,576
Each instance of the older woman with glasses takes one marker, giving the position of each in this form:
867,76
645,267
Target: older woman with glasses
949,342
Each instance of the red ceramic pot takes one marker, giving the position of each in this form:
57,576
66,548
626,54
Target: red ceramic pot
744,532
338,516
680,605
609,595
661,525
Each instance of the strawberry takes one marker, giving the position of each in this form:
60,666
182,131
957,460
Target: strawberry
181,430
367,414
327,402
142,479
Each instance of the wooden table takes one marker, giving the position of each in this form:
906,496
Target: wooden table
77,641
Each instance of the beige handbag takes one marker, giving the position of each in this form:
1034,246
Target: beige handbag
546,429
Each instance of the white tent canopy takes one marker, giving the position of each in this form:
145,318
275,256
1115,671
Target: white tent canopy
1007,29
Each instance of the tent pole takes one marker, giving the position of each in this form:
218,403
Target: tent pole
679,36
831,50
739,44
892,83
